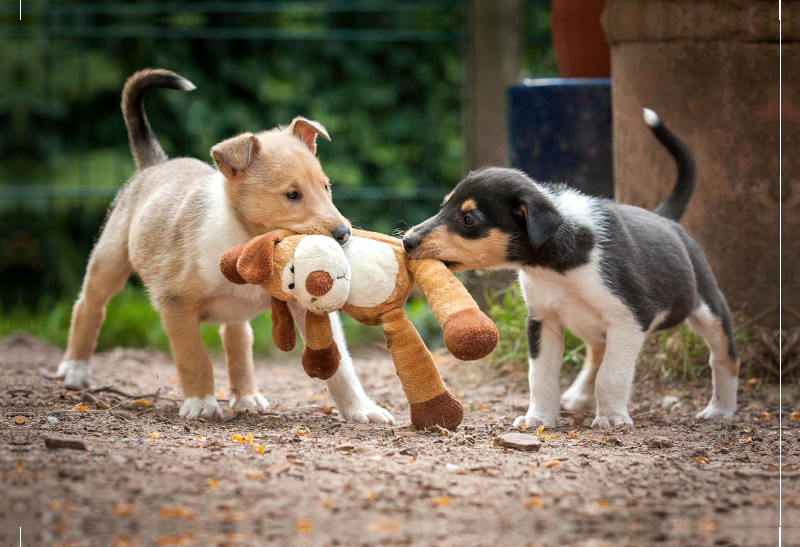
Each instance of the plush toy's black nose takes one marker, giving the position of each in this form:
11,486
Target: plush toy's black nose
341,234
411,242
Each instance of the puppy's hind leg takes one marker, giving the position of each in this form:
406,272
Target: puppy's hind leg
580,395
237,339
107,272
717,332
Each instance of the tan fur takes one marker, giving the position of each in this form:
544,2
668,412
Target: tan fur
468,205
155,229
448,196
466,254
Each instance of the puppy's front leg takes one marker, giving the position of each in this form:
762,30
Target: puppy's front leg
194,366
615,377
546,349
345,389
237,339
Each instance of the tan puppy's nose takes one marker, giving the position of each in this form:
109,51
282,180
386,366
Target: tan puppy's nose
318,283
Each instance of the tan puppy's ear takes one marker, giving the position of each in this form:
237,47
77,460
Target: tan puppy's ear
235,155
254,264
307,131
227,265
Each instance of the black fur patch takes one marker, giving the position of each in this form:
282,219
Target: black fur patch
534,332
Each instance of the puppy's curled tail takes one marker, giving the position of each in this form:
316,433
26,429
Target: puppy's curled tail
144,145
675,205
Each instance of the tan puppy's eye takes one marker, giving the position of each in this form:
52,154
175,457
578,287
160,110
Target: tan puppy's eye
294,195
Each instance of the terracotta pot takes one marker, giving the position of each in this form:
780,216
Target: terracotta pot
580,46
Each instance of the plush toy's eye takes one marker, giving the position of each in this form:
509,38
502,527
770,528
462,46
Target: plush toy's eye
468,220
293,195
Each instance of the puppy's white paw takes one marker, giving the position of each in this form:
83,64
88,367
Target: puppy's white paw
207,407
364,411
76,374
577,401
535,420
608,422
716,412
249,403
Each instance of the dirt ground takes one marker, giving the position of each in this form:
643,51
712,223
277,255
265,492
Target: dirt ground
147,477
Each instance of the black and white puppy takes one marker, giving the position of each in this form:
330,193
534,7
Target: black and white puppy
610,273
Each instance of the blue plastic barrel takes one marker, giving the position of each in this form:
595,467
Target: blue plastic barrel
560,130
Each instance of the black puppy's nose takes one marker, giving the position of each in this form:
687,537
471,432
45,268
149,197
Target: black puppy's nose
411,242
341,234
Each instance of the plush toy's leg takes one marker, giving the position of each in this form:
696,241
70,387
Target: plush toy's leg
468,333
283,333
431,403
320,356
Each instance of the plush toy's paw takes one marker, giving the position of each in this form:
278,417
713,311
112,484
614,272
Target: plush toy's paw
716,412
364,411
76,374
207,407
608,422
321,363
249,403
444,410
470,335
532,419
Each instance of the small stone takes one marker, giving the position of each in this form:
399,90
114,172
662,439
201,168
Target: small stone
659,442
519,441
410,451
452,468
345,448
669,401
70,444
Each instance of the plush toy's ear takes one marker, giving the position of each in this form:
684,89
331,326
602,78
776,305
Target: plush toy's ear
250,262
307,131
235,155
541,218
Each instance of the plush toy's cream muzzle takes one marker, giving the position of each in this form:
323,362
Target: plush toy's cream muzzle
319,273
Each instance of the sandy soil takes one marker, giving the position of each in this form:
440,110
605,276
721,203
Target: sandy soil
345,484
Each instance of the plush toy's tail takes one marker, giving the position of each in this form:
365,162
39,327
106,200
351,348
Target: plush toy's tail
431,404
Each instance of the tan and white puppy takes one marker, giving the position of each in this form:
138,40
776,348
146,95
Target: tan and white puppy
171,223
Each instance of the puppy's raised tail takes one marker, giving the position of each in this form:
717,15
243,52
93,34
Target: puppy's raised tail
144,145
675,205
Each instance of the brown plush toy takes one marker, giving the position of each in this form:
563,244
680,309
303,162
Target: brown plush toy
371,285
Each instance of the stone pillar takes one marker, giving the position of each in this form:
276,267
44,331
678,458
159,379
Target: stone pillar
709,68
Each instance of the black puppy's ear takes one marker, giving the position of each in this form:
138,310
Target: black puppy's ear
542,219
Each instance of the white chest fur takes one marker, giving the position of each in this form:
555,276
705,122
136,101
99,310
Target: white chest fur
374,270
577,300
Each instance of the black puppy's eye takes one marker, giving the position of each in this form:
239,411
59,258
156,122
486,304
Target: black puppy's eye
468,220
293,195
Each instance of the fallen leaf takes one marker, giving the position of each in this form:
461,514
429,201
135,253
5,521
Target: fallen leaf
248,438
19,420
481,406
212,484
220,394
603,504
303,526
794,416
551,463
155,435
80,408
573,434
441,501
765,416
534,502
702,460
301,431
327,409
539,433
325,502
142,402
103,404
258,448
369,496
124,510
254,475
174,379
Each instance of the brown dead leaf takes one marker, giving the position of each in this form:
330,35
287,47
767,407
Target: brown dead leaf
212,484
303,526
441,501
551,463
124,510
141,402
539,433
702,460
534,502
19,420
765,416
794,416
